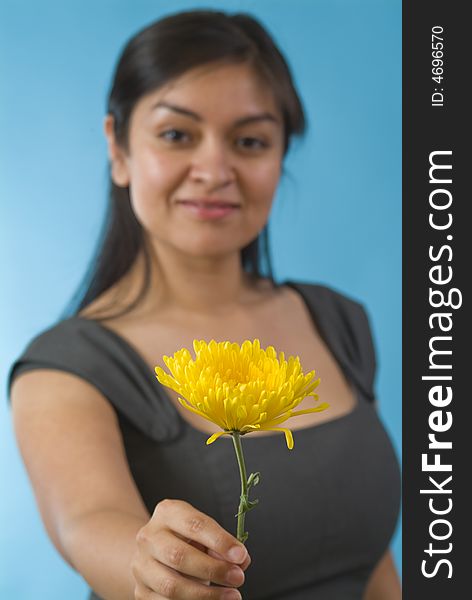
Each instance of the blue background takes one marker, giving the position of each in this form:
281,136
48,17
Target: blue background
336,219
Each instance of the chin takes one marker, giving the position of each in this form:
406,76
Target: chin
211,251
212,245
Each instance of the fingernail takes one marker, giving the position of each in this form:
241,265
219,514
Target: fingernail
237,554
235,576
232,595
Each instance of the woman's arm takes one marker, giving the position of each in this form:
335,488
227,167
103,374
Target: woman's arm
384,583
72,448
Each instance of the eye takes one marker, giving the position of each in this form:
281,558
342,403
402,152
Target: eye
174,135
251,143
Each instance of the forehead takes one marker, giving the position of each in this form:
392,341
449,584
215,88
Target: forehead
223,91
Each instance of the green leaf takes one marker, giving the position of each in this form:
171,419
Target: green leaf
253,480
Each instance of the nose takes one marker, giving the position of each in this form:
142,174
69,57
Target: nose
212,164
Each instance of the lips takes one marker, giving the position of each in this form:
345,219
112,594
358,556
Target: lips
209,203
203,210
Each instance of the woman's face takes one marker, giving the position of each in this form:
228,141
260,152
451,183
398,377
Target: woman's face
213,135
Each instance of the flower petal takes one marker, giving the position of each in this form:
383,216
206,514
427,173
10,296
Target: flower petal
188,406
319,408
288,434
215,436
240,387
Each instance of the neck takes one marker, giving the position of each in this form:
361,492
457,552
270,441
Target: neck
186,287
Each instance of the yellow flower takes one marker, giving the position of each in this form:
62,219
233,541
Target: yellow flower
241,389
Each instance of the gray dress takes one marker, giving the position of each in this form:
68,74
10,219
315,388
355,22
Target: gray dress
327,509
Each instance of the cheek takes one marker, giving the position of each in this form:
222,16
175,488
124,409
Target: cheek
156,175
263,181
153,183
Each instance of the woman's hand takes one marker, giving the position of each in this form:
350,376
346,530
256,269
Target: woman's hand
181,551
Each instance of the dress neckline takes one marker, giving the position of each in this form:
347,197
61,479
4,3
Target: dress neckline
318,324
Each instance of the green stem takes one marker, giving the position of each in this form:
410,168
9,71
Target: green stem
244,500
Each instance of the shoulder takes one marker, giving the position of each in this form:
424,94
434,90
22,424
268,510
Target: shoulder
99,357
60,343
346,323
55,333
74,346
48,361
335,305
46,379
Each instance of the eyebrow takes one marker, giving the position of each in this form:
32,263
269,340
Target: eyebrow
265,116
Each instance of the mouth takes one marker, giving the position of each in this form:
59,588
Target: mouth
206,210
210,203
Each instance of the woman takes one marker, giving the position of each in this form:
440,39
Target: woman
201,113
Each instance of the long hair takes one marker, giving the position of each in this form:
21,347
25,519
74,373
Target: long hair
161,52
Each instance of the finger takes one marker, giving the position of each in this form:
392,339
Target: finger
142,592
188,560
164,582
214,554
243,565
187,521
198,545
203,549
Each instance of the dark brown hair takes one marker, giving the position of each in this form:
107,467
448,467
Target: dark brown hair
157,54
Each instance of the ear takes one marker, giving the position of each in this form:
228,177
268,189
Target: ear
116,154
